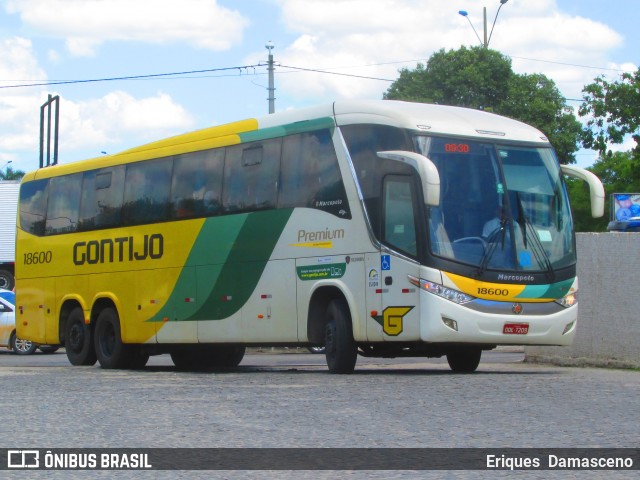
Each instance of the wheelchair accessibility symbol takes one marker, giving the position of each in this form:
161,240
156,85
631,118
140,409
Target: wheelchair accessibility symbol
385,262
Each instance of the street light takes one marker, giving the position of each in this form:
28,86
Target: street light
502,2
465,14
486,41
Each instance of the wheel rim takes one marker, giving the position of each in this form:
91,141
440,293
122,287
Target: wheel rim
23,346
330,333
76,337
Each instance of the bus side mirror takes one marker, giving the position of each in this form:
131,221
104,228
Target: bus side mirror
596,189
428,172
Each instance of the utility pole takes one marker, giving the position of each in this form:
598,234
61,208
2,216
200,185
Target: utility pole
486,43
270,69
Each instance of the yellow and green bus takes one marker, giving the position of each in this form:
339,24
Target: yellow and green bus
378,228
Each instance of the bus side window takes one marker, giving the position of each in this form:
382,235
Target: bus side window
293,177
399,214
101,201
63,208
310,175
251,176
33,206
196,187
146,192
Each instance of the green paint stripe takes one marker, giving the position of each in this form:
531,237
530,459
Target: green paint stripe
244,266
554,290
290,129
229,257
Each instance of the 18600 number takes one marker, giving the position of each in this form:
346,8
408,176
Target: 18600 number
36,258
493,291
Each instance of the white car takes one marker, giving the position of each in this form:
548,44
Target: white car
8,328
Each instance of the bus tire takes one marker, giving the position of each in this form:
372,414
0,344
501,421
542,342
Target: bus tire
341,350
78,340
225,356
110,350
464,360
183,359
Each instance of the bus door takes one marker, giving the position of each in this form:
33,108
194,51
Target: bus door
399,314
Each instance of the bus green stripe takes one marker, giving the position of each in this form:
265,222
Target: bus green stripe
290,129
229,256
554,290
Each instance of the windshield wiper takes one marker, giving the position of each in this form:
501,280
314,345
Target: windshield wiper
536,245
491,240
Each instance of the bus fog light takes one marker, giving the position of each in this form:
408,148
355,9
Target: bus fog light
569,327
451,323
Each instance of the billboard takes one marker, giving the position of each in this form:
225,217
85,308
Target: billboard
625,212
626,206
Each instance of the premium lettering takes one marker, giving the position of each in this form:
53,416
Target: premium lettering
121,249
326,234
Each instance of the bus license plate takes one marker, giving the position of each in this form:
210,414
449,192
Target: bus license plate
515,328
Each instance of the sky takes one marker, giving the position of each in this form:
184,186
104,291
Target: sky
130,72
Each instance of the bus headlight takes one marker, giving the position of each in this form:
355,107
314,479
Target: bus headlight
450,294
568,300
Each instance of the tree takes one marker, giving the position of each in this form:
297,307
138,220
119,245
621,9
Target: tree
11,174
619,173
474,78
481,78
613,110
535,99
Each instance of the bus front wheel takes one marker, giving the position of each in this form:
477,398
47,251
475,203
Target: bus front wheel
340,348
110,350
464,360
78,339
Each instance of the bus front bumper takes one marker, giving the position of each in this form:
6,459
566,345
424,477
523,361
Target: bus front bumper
497,323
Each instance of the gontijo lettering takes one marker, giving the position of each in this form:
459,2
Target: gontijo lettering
120,249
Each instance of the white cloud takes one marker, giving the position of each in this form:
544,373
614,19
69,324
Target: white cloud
86,24
94,124
17,63
88,127
19,108
113,118
353,33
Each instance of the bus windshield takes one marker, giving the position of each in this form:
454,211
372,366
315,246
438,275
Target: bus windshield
502,207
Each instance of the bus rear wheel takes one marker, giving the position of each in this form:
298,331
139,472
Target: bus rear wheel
341,350
464,360
110,350
78,339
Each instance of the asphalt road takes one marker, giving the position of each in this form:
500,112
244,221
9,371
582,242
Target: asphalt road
290,400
